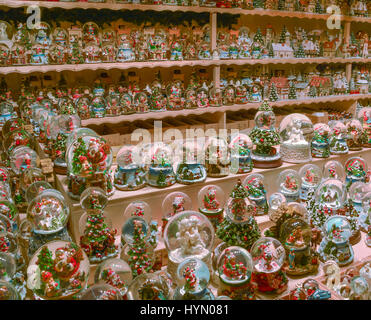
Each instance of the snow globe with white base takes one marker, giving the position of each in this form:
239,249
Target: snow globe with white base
310,175
289,184
338,144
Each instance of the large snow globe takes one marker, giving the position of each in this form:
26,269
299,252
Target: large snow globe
130,172
334,170
240,146
159,158
296,131
320,142
254,184
331,194
335,245
311,176
211,201
217,157
268,256
235,268
190,169
289,184
355,170
193,277
188,234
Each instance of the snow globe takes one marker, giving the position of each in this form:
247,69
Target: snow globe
89,160
355,170
235,268
265,137
6,112
98,107
268,255
58,270
310,175
116,273
113,104
211,201
296,134
193,277
125,50
174,92
22,158
296,236
239,220
98,238
8,266
188,234
365,215
355,137
30,176
275,201
240,146
364,116
174,203
34,189
130,172
356,193
17,138
217,157
150,286
334,170
254,184
100,292
228,95
330,194
289,184
190,170
82,107
338,144
202,98
8,291
138,209
159,159
320,142
335,245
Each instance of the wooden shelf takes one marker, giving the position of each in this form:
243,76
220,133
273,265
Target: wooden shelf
170,64
236,107
196,9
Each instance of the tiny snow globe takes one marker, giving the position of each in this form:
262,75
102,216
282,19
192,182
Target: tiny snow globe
240,146
254,184
289,184
356,137
8,291
174,203
239,227
193,277
150,286
311,176
334,170
116,273
188,234
160,161
190,170
23,158
275,201
338,144
47,215
130,172
268,255
58,270
89,159
296,131
101,292
320,147
335,245
217,157
364,116
6,112
296,237
235,268
98,238
265,138
355,170
211,201
356,193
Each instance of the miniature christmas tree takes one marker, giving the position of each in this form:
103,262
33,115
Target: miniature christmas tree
281,4
300,52
59,146
258,37
113,279
258,4
271,52
313,92
190,279
283,35
234,233
273,96
318,8
292,92
45,260
79,155
298,6
139,259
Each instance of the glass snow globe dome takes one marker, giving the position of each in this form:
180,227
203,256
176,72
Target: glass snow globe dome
138,209
101,292
4,175
12,125
8,291
275,201
177,235
132,227
48,212
93,200
175,202
150,286
295,233
31,175
9,210
331,193
6,112
240,147
22,158
193,276
235,266
88,154
296,132
337,229
8,266
356,193
334,170
268,255
355,170
17,138
35,189
310,175
115,272
211,200
217,157
289,184
79,132
63,124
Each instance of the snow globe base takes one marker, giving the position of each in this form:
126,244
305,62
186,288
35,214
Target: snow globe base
241,292
205,294
129,179
244,163
295,154
189,173
274,283
320,150
161,177
342,253
216,170
60,167
265,162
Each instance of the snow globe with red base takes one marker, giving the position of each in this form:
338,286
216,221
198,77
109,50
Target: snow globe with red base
211,201
235,268
268,257
193,277
97,237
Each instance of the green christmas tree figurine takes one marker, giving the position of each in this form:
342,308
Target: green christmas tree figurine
270,50
273,96
45,260
283,35
318,8
281,5
300,53
292,92
258,37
